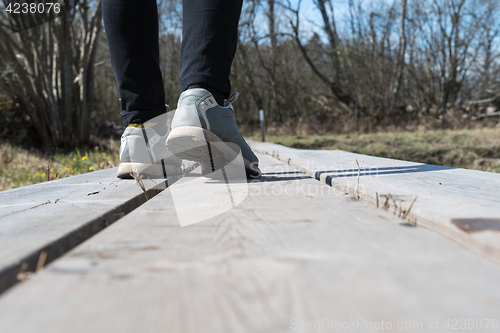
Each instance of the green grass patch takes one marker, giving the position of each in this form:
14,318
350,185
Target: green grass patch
21,167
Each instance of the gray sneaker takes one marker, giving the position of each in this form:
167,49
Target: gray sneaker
205,132
143,151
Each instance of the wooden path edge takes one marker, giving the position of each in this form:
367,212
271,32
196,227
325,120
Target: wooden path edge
11,274
446,223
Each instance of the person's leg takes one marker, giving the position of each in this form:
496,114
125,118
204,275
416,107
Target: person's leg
131,28
204,128
209,40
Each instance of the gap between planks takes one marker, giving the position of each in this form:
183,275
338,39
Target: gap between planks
26,264
462,205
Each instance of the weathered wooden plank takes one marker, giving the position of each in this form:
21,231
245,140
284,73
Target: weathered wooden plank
292,252
463,205
55,216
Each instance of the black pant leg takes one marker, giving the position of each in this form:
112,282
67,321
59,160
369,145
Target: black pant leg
131,28
209,40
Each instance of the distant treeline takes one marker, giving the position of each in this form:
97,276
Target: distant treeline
384,63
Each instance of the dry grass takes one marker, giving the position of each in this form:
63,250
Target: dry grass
21,167
477,149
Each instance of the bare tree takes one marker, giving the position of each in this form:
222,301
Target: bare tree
491,28
431,54
50,69
459,25
401,53
330,80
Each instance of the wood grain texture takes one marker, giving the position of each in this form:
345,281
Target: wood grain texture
53,217
441,196
294,251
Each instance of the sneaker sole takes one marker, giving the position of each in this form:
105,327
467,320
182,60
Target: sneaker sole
157,170
202,146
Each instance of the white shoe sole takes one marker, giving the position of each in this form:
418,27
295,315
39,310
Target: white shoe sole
200,145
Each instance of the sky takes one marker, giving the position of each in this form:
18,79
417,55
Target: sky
310,16
309,12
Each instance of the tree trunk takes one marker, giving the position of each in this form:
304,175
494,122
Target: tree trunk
401,54
46,59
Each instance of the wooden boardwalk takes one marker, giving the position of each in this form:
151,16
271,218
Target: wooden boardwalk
56,216
463,205
295,252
